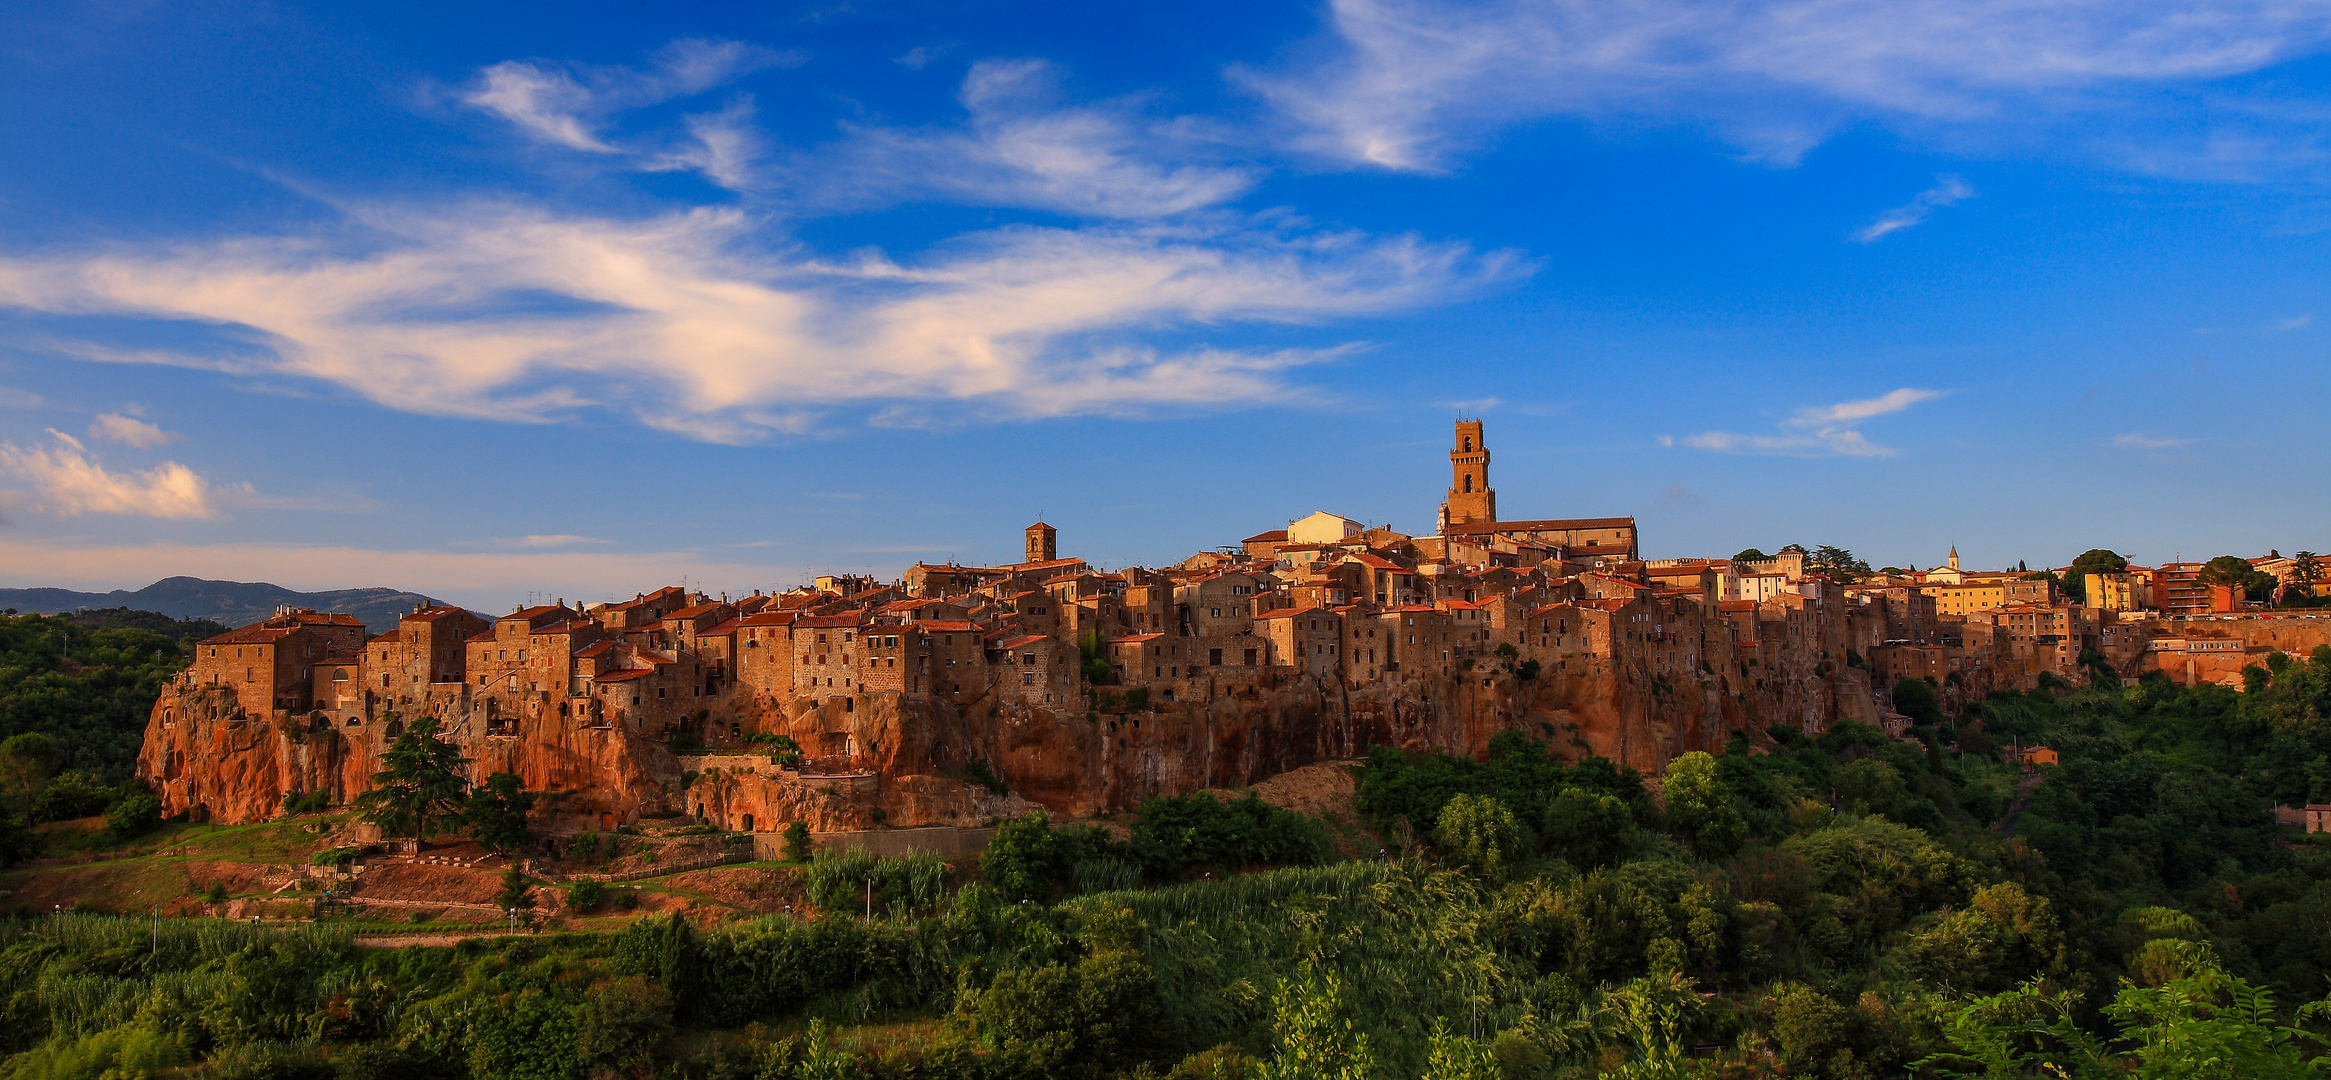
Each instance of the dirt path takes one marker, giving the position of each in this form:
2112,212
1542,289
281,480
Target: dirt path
410,941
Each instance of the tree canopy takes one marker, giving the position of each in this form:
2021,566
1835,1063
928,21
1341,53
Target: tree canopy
421,787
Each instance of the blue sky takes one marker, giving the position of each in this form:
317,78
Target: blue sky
496,300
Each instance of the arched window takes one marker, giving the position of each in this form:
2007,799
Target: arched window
1468,483
395,728
1468,444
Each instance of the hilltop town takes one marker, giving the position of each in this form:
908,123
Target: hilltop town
957,694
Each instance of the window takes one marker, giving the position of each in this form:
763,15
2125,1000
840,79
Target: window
1214,657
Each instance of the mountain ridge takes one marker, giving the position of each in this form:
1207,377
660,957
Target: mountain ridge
232,603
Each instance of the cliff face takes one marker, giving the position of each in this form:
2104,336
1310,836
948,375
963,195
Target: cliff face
208,759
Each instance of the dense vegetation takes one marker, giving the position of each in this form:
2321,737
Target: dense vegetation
1839,906
88,680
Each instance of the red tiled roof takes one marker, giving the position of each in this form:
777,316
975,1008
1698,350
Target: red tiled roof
821,622
625,675
1044,564
1271,537
306,617
1282,613
721,628
1015,643
1134,638
387,637
480,638
593,649
257,634
699,609
947,625
1546,525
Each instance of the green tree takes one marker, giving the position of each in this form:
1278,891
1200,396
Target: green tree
26,762
1699,807
622,1024
1478,832
1750,555
1314,1035
2307,567
496,812
1870,786
1915,699
2235,571
1450,1056
798,845
420,788
2091,561
135,813
1588,829
1841,565
1022,861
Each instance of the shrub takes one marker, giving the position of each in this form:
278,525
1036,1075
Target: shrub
69,796
1022,861
586,895
1699,808
1586,828
844,881
797,843
134,814
1479,833
517,891
1176,834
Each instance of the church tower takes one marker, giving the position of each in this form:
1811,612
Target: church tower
1043,543
1471,499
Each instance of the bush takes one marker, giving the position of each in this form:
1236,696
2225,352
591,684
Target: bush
797,842
841,882
1479,833
517,891
1176,834
134,814
1587,829
586,895
296,803
1021,861
69,796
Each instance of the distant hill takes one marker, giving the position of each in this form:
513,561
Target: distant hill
230,603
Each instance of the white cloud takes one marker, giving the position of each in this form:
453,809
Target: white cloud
1818,431
12,398
1946,191
550,541
1406,84
67,482
573,105
1023,146
684,322
2139,441
127,430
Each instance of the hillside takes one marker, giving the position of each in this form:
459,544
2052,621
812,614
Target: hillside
230,603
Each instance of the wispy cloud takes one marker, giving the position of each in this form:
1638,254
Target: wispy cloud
13,398
127,430
1817,431
1409,84
68,482
2136,440
573,106
687,322
2295,322
1023,144
1946,191
557,540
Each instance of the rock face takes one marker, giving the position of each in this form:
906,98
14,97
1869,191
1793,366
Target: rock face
916,754
208,759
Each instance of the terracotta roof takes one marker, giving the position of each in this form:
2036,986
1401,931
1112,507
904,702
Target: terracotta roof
1377,562
826,621
257,634
1736,605
721,628
593,649
387,637
305,617
1045,564
480,638
1134,638
770,618
947,625
1271,537
430,614
624,675
1545,525
1015,643
1283,613
699,609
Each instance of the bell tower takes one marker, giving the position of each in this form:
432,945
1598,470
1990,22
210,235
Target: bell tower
1043,543
1471,499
